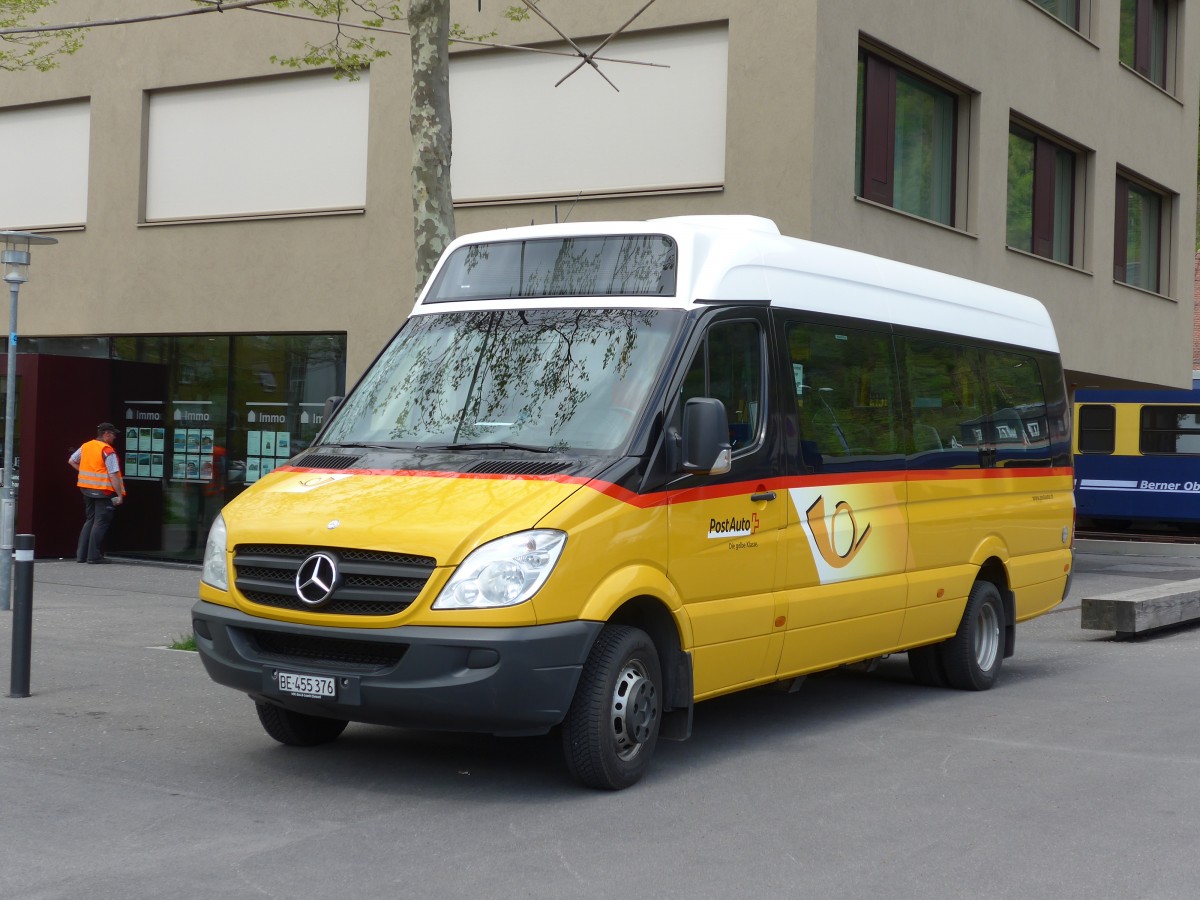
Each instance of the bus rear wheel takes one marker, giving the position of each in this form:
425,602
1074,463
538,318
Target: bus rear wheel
611,729
972,657
297,729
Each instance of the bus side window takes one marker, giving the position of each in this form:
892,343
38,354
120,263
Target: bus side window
1018,409
729,366
944,396
845,387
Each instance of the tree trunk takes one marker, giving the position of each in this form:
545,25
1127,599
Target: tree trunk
429,110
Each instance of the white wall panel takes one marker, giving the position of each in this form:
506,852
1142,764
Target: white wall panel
281,145
517,135
44,165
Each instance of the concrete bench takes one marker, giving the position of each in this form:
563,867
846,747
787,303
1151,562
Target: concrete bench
1142,609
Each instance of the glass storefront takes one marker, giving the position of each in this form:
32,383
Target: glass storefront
203,416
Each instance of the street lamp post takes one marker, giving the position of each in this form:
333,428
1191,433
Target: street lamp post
16,273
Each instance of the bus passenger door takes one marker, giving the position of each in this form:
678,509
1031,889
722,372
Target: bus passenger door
844,590
724,530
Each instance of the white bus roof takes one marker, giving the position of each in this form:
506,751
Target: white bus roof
745,258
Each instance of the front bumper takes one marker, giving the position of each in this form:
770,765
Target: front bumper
492,680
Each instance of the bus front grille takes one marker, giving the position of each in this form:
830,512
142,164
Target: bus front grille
369,582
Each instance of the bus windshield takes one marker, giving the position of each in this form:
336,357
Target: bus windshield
547,379
629,265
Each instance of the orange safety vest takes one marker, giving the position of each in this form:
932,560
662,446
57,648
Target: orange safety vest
92,471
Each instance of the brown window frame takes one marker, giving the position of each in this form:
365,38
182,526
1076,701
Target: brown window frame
1144,43
1073,17
877,132
1045,176
1124,185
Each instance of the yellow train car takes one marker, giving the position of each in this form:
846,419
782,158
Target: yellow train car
606,471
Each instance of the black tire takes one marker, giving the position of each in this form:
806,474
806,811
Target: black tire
973,656
925,663
297,729
611,729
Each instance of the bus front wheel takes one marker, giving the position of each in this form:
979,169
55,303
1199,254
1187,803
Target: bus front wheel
611,728
297,729
972,657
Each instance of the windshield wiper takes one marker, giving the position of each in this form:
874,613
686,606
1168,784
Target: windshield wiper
490,445
361,445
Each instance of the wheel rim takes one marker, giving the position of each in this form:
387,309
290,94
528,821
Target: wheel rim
634,710
987,637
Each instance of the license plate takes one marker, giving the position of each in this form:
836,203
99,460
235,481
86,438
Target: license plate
306,685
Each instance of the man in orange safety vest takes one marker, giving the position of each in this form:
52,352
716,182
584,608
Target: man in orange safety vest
103,491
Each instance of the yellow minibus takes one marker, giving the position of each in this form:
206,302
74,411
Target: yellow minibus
606,471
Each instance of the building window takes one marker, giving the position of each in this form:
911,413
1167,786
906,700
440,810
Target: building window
1140,221
1066,10
1145,33
1041,195
906,150
1097,429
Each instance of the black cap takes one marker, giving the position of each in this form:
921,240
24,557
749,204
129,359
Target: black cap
105,426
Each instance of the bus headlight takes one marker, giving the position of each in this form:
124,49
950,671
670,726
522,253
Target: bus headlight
214,571
504,572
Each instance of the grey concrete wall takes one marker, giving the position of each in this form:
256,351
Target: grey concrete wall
789,156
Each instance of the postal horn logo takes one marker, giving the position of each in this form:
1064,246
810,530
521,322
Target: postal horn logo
829,533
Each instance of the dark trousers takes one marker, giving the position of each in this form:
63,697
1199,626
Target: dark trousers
98,511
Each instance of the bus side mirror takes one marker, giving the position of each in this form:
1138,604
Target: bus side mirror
706,447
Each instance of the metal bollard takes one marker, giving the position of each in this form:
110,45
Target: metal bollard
22,607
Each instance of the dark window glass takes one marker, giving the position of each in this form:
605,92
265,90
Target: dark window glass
844,381
1171,429
1097,428
617,266
279,387
1137,259
905,153
189,457
1017,400
1067,10
1144,38
946,395
729,367
1041,196
200,416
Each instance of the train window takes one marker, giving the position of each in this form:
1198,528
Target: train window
1171,429
1097,429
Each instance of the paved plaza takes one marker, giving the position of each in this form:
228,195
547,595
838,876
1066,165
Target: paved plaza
128,774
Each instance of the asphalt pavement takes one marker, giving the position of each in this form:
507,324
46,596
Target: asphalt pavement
127,773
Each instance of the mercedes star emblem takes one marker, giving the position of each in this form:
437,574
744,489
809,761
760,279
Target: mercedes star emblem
317,579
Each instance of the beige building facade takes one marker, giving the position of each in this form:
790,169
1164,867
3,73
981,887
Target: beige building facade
205,197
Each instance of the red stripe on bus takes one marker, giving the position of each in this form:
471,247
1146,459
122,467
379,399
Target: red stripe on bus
716,491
